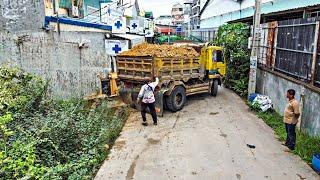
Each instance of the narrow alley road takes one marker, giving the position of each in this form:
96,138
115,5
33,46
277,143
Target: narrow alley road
206,140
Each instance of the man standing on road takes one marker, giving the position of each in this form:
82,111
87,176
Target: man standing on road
146,95
291,117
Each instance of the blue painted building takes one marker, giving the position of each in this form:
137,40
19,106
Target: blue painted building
75,15
74,8
217,12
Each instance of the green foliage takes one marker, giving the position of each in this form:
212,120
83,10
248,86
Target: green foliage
19,90
234,39
45,139
306,145
241,86
254,106
4,130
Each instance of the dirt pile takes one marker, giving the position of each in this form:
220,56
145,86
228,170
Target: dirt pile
146,49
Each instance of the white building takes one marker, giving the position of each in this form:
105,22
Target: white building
177,14
195,14
164,20
132,9
214,13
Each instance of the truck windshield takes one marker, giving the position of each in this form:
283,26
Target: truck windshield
217,56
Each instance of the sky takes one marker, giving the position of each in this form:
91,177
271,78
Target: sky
158,7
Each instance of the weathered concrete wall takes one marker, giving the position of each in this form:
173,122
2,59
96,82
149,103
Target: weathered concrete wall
276,87
311,113
21,15
71,71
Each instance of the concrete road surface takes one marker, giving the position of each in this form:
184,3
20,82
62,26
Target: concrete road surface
206,140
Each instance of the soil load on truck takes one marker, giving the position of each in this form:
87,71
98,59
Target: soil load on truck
155,50
180,70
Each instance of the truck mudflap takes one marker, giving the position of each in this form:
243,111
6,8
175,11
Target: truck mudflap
129,96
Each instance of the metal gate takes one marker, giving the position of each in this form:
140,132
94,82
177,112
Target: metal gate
295,47
292,47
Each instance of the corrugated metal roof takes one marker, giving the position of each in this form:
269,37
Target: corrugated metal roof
284,5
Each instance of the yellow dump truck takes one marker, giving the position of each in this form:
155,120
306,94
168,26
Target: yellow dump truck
179,77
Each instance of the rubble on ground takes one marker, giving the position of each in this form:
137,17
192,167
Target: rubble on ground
146,49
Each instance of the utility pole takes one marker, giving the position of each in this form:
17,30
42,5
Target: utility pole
169,32
188,4
189,23
255,49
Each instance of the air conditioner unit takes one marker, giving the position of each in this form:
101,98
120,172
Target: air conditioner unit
75,11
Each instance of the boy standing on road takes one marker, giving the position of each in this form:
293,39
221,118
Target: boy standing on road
146,95
291,117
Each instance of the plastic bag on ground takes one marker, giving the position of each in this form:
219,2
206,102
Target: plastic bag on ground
263,101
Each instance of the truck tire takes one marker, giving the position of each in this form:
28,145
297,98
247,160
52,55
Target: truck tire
177,99
214,87
165,106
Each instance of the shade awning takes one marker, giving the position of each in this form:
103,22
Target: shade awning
164,30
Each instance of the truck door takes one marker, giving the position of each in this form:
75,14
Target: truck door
221,64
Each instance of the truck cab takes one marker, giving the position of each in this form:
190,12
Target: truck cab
212,60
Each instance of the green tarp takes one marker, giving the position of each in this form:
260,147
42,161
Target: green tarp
65,4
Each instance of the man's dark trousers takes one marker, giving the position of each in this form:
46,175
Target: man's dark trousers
291,135
152,109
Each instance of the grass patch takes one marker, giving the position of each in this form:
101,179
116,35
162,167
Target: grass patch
306,145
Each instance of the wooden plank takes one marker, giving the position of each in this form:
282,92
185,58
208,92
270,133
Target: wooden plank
275,44
135,69
271,38
140,63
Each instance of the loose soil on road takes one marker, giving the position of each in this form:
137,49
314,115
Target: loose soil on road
208,139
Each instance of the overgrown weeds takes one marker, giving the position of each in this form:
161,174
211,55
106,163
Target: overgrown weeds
306,145
234,40
45,139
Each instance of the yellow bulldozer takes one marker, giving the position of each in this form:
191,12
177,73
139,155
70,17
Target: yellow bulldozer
179,77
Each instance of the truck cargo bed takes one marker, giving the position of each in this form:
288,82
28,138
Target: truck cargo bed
140,68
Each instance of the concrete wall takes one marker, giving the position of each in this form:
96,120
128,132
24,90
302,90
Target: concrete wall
71,70
275,87
17,15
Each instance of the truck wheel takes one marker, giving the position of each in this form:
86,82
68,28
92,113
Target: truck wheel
177,99
214,87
